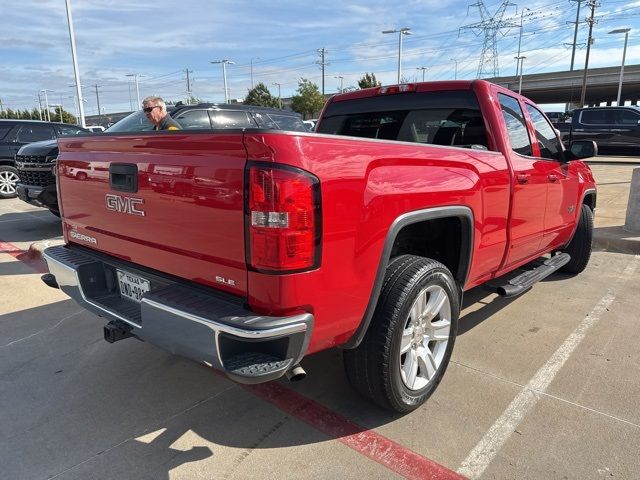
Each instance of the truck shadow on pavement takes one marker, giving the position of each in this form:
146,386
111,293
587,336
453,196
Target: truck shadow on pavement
29,226
76,405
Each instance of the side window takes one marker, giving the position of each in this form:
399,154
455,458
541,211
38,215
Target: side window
35,133
516,125
194,119
288,122
545,135
626,117
66,130
232,119
594,117
4,129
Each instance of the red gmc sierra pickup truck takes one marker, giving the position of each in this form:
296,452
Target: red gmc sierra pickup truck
363,235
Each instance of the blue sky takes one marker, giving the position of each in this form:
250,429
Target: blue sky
160,39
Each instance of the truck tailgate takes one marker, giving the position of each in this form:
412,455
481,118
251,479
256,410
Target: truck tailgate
185,215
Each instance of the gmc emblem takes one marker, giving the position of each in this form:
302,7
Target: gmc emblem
122,204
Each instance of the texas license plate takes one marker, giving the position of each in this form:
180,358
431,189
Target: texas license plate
132,286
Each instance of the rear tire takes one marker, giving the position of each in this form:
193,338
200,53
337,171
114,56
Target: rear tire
407,347
580,246
8,180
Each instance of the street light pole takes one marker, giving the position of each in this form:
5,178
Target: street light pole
400,31
624,54
224,63
424,69
279,97
135,77
76,71
520,61
341,79
47,114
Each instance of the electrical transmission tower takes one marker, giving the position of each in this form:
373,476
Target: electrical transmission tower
490,26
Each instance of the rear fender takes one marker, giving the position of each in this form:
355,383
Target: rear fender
464,214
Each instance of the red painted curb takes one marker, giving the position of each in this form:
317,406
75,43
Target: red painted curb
33,259
376,447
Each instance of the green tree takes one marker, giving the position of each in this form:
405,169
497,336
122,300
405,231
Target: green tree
260,96
308,100
66,116
368,80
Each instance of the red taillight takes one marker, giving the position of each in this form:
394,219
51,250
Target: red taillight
283,219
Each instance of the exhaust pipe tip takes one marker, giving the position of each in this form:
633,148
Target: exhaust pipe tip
295,373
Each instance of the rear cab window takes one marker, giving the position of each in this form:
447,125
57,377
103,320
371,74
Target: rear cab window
598,116
438,118
626,117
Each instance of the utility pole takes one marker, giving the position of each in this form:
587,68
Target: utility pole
593,4
189,94
322,51
455,75
1,109
575,33
76,70
251,69
97,99
520,37
40,106
279,97
135,76
424,69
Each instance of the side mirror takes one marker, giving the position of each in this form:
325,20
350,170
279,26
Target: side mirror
582,149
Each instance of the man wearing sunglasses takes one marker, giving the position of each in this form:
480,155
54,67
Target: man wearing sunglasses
156,112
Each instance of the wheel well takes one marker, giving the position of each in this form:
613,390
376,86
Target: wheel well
590,200
7,161
440,239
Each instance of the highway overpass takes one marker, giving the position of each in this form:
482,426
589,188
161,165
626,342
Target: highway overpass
565,87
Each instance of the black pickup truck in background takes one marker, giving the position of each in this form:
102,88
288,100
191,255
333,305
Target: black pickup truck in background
614,129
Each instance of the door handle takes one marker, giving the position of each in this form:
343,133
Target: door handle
553,178
523,178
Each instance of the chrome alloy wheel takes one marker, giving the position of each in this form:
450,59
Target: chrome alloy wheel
425,337
8,180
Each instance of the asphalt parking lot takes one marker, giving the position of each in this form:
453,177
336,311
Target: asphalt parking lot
545,385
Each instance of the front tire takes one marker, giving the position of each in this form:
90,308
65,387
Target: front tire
8,181
580,246
407,348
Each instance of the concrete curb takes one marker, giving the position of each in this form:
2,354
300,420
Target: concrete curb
616,239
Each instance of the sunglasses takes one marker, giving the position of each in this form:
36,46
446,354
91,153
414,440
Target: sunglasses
150,109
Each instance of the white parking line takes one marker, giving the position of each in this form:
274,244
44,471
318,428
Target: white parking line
485,451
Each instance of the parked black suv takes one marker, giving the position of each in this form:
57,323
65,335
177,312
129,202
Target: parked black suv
614,129
16,133
35,162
